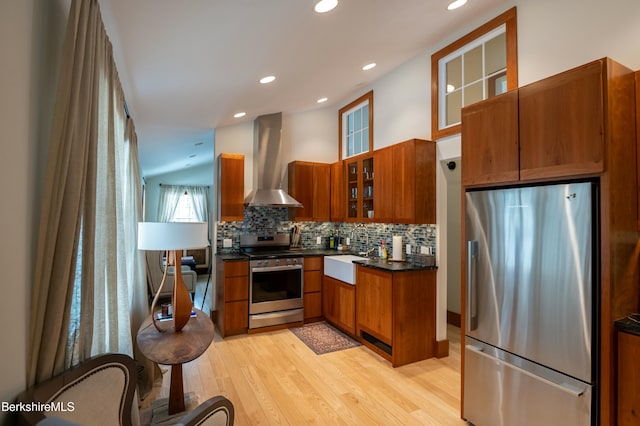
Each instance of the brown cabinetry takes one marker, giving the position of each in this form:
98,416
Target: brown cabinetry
637,75
359,173
628,379
562,123
383,184
414,182
310,184
312,289
232,297
339,304
395,184
553,128
396,313
490,152
231,187
337,192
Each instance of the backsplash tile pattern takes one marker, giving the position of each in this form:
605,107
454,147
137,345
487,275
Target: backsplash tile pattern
271,220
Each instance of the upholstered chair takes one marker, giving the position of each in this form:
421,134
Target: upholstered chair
101,391
155,270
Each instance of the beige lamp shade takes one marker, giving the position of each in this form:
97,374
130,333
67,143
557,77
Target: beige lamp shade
172,235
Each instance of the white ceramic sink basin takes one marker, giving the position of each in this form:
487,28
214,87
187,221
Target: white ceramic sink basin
342,267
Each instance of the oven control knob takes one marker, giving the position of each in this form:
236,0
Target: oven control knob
289,261
277,261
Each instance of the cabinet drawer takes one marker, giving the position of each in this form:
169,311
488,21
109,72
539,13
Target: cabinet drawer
235,269
312,263
236,288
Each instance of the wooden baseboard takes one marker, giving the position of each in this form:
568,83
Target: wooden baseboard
442,348
453,319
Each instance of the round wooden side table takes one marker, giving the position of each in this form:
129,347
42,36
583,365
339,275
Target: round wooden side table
175,348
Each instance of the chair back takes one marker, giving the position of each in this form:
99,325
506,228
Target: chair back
99,391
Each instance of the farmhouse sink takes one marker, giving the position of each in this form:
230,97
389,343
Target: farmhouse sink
342,267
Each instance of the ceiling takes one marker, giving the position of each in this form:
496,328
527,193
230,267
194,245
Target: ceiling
188,66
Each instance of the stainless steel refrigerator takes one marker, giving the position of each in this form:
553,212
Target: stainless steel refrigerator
532,274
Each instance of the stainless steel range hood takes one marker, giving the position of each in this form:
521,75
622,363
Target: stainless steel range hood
267,164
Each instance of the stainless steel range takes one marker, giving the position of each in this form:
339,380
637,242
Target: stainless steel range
276,280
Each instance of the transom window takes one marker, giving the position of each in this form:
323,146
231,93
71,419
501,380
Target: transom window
481,64
356,127
477,71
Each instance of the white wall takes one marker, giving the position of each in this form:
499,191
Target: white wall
31,33
311,135
554,36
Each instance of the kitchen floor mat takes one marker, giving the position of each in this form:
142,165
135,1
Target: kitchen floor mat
323,338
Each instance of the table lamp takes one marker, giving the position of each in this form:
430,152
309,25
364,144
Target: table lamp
173,237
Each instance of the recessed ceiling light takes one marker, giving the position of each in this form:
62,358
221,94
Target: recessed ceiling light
456,4
369,66
325,5
321,100
239,114
267,79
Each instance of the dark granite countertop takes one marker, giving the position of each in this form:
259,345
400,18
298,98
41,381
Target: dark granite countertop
392,266
231,256
372,262
629,324
302,252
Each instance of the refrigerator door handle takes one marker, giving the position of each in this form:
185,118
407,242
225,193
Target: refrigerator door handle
565,387
472,294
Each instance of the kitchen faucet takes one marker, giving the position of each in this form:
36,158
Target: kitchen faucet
367,251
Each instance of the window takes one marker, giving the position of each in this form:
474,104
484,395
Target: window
185,211
356,127
478,66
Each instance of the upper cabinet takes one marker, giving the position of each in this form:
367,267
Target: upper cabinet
562,124
359,173
310,184
414,182
383,183
396,184
337,192
637,74
490,141
231,187
553,128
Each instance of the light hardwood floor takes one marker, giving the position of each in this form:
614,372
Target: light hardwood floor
273,378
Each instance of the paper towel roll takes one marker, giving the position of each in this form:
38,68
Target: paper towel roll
397,247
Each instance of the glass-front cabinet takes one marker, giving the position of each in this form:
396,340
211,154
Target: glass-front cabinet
360,188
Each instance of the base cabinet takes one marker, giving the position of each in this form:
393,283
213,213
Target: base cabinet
231,314
628,379
338,304
396,313
312,289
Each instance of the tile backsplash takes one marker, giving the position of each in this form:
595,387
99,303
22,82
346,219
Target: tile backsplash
272,220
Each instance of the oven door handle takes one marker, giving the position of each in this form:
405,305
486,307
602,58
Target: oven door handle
276,268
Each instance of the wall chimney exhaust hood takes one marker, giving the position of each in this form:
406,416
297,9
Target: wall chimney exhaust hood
267,164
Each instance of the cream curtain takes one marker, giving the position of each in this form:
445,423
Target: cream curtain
168,202
199,196
89,292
